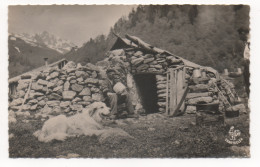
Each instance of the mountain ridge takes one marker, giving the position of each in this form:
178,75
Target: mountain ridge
46,39
25,56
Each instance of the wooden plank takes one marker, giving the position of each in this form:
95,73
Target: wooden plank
179,86
184,77
171,90
141,43
176,68
185,89
181,105
180,92
176,73
167,92
26,95
175,92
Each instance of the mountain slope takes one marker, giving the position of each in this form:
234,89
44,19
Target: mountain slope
91,51
47,40
25,56
207,35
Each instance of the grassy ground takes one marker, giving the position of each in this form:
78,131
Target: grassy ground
154,136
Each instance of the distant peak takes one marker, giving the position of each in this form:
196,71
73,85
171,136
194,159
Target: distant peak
47,39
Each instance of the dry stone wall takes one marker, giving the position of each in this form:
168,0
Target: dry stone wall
161,92
158,64
142,62
201,89
118,60
68,90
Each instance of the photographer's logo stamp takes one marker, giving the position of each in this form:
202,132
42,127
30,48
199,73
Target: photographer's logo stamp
233,136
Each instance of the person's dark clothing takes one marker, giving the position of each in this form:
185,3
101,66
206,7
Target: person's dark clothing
115,99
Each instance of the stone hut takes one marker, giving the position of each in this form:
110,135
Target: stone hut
160,81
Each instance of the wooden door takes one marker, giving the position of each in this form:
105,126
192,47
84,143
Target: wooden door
176,90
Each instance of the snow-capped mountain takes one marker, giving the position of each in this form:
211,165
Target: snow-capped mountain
26,54
45,39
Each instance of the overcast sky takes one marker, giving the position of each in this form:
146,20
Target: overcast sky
75,23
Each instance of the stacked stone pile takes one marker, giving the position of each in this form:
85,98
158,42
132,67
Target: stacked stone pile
146,59
161,92
202,90
151,63
115,58
73,87
227,89
142,62
118,54
67,90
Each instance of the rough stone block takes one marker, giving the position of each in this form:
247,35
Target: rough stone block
76,87
42,82
65,104
36,86
53,103
148,60
87,98
91,81
137,61
68,95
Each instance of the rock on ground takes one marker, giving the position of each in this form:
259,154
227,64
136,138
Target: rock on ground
114,135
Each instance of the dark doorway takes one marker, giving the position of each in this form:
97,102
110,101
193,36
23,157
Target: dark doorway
146,85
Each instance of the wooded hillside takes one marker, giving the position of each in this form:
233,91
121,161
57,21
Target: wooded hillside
207,35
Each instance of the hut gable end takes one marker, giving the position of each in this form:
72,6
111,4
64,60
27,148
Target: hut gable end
120,44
